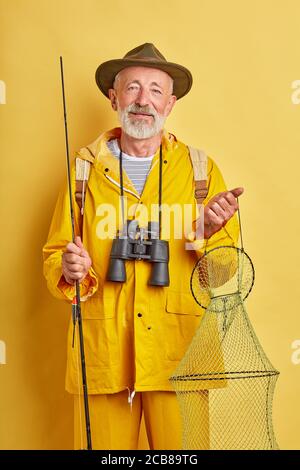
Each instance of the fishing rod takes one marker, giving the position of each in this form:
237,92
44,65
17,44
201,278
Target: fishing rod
76,306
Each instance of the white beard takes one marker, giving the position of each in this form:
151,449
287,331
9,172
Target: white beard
137,128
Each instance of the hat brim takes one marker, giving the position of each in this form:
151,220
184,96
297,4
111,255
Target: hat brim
106,72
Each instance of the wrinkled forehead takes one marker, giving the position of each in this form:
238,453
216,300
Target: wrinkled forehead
144,75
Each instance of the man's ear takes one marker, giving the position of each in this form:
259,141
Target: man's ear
113,98
170,105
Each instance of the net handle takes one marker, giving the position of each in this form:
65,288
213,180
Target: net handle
240,224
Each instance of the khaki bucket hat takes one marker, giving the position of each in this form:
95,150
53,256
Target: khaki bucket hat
146,55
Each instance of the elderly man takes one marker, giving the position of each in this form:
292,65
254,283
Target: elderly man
135,331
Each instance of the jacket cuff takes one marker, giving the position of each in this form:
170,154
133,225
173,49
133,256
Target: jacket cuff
220,238
87,287
196,242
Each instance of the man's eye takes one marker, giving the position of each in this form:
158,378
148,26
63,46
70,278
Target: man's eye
156,91
132,88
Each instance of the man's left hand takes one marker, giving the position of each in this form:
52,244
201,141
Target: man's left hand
219,210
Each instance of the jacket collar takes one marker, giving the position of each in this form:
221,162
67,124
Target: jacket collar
99,154
98,149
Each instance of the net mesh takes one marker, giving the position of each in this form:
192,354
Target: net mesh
225,382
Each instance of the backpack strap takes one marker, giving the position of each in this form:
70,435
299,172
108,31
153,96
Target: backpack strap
82,176
199,162
82,173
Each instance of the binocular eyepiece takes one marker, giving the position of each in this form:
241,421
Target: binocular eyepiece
135,242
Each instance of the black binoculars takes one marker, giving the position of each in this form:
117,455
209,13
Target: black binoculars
135,242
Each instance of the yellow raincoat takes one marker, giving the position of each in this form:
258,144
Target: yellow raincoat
134,334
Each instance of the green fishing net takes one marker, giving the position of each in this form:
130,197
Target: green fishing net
225,381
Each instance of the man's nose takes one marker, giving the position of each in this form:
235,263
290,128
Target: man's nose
143,98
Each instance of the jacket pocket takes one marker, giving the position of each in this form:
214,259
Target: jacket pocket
182,303
99,307
183,316
101,342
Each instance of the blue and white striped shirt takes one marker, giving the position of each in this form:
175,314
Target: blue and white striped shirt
137,168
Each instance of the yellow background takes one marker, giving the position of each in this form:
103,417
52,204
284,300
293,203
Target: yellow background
244,56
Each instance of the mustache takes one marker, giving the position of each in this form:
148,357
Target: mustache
135,108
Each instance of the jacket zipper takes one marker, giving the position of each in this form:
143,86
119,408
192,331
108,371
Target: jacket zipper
117,184
125,189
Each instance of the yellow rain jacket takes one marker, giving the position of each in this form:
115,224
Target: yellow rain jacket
134,334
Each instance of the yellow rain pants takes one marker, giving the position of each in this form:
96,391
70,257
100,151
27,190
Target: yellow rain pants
115,424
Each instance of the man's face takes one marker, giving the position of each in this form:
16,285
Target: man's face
143,98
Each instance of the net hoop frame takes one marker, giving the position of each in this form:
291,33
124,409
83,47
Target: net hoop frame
199,261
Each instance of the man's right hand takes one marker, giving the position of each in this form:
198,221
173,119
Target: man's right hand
76,262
